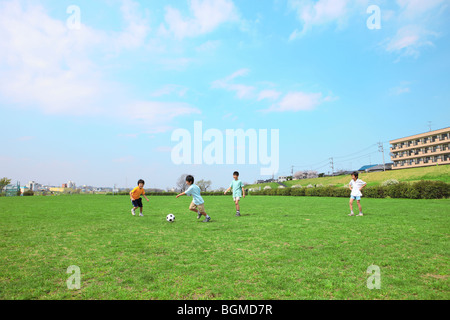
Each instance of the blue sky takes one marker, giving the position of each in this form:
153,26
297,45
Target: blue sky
98,104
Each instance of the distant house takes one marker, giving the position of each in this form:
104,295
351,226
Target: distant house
265,181
342,173
376,167
380,167
366,167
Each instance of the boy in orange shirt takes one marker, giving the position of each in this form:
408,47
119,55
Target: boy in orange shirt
136,199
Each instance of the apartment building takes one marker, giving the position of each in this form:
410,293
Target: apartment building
421,150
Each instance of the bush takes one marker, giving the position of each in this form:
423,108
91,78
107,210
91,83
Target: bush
389,182
28,193
299,192
283,192
418,190
342,192
397,190
412,192
374,192
432,189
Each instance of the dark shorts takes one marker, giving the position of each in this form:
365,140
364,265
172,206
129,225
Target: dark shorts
137,203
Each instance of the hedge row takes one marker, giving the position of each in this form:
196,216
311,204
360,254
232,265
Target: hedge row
417,190
171,194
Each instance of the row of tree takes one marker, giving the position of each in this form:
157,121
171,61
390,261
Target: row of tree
4,182
308,174
204,185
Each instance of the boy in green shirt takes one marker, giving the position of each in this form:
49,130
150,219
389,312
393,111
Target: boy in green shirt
238,191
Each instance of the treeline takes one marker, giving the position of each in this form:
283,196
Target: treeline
417,190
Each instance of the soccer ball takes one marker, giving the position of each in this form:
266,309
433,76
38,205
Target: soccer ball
170,217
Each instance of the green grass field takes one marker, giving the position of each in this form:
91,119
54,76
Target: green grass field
281,248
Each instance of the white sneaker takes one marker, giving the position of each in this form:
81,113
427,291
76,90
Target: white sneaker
132,212
141,215
360,214
351,214
199,215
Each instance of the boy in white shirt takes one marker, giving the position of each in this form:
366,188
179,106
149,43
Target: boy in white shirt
356,185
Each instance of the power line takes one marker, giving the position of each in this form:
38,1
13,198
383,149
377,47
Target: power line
381,149
349,157
360,157
351,154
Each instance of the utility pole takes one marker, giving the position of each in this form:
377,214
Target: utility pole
332,165
429,125
381,149
292,171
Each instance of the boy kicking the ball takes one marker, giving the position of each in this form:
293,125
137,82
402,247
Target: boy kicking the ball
136,200
238,191
197,205
356,185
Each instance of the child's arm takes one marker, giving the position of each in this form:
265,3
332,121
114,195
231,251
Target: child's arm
131,196
181,194
243,192
145,197
226,191
365,184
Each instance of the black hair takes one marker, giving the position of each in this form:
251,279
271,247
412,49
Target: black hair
355,174
190,179
141,181
236,173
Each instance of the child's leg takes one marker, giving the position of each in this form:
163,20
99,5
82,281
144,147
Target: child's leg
194,208
351,205
201,209
238,208
359,205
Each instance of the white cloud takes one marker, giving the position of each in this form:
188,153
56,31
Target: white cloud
411,9
156,115
206,16
298,101
269,94
164,149
137,29
315,13
242,91
292,101
409,39
170,89
49,67
416,20
208,46
176,64
401,89
44,63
